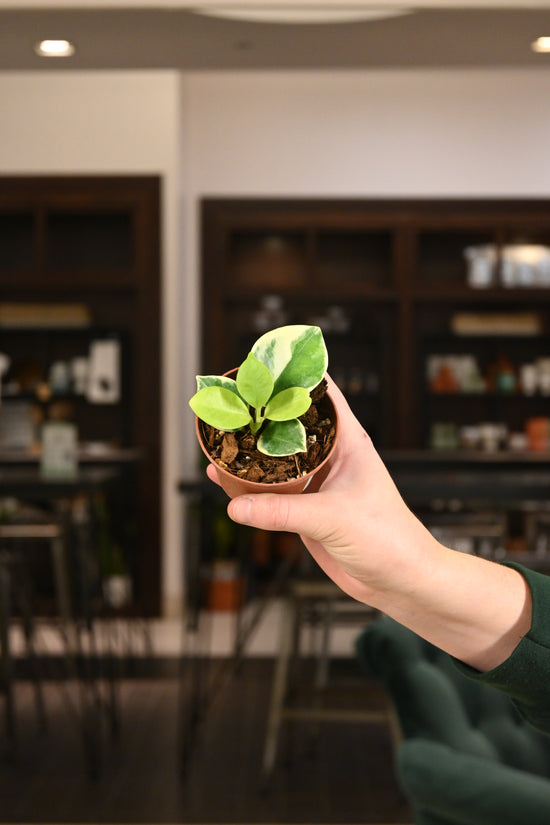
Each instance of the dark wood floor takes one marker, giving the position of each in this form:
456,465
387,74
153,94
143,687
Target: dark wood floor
343,774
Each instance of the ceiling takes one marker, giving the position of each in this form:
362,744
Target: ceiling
176,38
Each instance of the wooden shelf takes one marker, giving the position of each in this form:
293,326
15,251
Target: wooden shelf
396,268
342,294
86,455
94,241
495,396
456,294
419,458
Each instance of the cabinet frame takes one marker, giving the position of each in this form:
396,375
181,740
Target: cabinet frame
407,223
125,295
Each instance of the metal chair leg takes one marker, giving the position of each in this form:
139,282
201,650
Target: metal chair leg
24,603
280,680
7,661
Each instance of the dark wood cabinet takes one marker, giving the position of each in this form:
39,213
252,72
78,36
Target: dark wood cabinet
91,242
394,284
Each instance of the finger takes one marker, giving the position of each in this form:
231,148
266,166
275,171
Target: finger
272,511
294,514
212,474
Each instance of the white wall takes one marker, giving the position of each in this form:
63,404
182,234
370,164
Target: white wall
112,123
369,133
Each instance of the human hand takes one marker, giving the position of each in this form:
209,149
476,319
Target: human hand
357,527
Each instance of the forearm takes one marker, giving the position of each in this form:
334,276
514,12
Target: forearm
474,609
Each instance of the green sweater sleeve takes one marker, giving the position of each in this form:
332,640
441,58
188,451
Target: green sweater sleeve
525,675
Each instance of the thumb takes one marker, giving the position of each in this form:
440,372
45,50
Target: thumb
271,511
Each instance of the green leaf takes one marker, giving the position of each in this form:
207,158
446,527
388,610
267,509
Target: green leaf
288,404
283,438
216,381
254,382
220,407
296,355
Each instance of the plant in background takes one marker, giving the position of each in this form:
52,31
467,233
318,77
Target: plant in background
109,552
271,390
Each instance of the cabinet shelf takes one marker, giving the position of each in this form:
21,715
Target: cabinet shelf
63,280
491,396
91,241
363,395
459,294
342,294
357,258
17,241
72,397
399,271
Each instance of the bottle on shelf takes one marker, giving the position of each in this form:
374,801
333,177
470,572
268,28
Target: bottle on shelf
271,314
504,375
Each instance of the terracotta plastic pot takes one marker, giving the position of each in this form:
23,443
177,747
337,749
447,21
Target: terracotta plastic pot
235,486
224,588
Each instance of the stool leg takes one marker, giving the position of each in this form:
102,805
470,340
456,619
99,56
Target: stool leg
323,664
24,601
278,693
63,590
322,668
7,662
72,630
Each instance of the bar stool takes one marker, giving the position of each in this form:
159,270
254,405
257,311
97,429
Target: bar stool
14,592
311,602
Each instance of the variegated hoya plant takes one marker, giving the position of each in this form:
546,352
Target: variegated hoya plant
271,390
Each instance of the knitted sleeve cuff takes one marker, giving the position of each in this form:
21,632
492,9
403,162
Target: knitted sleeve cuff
525,675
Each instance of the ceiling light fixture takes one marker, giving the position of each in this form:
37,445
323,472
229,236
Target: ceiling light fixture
541,45
290,13
54,48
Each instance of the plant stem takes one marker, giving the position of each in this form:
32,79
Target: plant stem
257,421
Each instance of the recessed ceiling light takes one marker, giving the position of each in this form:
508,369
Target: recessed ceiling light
541,44
289,13
54,48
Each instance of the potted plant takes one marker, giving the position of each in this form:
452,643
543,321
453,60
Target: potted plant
116,582
269,425
224,581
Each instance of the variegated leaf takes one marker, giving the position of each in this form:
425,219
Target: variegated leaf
220,407
280,438
296,356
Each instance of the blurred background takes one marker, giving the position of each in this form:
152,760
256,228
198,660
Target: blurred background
174,180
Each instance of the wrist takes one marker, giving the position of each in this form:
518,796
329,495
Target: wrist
474,609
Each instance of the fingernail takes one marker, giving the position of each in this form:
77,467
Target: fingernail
240,509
